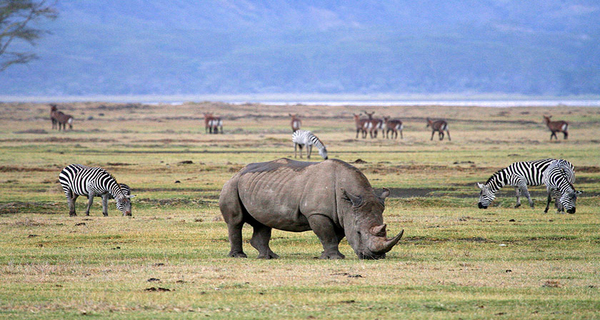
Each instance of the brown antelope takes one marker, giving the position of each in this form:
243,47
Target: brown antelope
557,126
375,124
394,126
296,122
207,118
440,126
361,125
212,123
53,112
64,119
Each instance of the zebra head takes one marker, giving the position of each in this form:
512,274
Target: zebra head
486,196
323,153
124,204
568,200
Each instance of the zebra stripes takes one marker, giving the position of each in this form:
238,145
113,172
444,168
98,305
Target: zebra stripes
303,138
519,175
78,180
559,178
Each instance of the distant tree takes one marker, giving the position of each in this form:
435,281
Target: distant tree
16,17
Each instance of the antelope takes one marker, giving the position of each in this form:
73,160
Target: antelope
207,119
557,126
53,112
394,126
212,123
64,119
375,124
440,126
361,125
296,122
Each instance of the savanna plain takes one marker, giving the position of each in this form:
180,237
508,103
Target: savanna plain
169,260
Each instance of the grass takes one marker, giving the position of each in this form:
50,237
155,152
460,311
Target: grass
169,260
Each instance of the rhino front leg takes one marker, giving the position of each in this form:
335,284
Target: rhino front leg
324,228
260,241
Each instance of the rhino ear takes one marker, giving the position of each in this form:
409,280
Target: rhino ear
355,200
384,194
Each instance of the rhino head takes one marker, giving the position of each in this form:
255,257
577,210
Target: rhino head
364,227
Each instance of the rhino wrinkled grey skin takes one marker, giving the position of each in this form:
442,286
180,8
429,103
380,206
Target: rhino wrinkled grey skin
332,198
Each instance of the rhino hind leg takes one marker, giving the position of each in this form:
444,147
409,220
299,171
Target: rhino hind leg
325,230
233,214
260,241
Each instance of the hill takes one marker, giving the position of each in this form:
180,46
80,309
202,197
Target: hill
231,47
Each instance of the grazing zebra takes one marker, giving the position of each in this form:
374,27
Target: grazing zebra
361,125
438,126
519,175
559,178
63,120
394,126
53,112
303,138
78,180
296,122
557,126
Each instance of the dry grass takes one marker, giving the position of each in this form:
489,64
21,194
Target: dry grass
169,260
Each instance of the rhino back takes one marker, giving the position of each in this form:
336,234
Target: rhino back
282,194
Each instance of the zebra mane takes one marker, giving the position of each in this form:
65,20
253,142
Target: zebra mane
495,176
566,177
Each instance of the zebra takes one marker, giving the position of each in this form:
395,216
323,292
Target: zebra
303,138
440,126
79,180
559,178
519,175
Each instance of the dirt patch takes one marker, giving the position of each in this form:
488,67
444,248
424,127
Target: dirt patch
25,169
587,169
33,131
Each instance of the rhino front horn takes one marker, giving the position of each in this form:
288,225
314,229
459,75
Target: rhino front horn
383,245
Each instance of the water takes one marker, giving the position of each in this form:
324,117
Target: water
460,103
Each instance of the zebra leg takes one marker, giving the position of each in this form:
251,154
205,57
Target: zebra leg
260,241
323,227
105,205
448,131
295,148
308,151
518,192
526,193
548,202
89,206
71,201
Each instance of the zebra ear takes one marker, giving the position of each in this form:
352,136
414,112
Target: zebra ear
480,185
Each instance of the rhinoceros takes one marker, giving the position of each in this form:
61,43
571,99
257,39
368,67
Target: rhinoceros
332,198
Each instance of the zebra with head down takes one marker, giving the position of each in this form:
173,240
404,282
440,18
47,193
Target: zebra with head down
559,178
79,180
519,175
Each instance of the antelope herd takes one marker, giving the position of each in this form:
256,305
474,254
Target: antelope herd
369,126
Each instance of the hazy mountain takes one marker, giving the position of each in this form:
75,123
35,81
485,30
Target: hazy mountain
115,47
